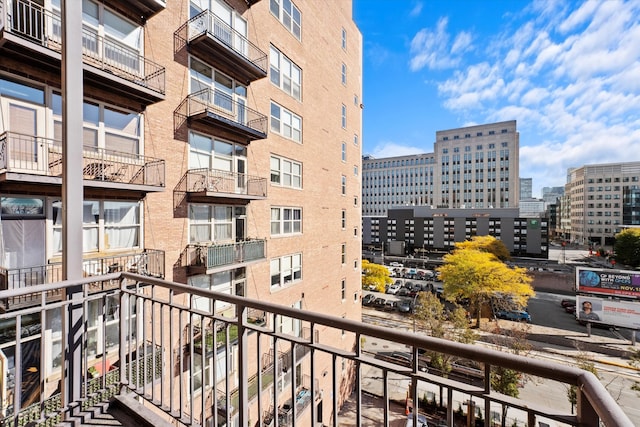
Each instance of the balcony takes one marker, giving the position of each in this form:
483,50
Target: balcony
142,337
149,262
217,110
208,258
143,8
38,160
215,42
200,185
31,33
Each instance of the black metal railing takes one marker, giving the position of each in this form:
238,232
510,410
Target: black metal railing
221,106
214,255
224,182
43,156
33,22
207,23
148,347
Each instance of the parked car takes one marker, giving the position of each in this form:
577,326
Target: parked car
393,289
368,299
379,302
390,305
404,292
567,302
515,315
405,306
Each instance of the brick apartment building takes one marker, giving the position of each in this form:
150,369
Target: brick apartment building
220,148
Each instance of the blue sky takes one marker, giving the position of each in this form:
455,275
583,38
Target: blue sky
568,72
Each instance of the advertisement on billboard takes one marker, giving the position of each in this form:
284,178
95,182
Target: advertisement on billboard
624,314
608,282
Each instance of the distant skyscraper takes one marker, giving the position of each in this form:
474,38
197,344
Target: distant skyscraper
526,188
550,195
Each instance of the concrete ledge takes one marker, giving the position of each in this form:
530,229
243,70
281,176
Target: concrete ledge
126,409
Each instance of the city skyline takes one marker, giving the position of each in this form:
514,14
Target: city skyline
562,70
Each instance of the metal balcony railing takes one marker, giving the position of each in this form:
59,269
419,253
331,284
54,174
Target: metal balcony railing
207,256
218,107
36,155
219,32
32,22
222,182
142,337
150,262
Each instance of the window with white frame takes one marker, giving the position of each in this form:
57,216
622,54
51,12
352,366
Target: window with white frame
344,39
344,116
286,221
229,282
286,270
103,127
211,223
356,140
344,151
206,152
288,14
344,185
286,123
106,225
285,172
344,74
285,74
216,88
355,170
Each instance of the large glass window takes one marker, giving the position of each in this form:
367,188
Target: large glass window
217,89
209,223
209,153
106,225
284,73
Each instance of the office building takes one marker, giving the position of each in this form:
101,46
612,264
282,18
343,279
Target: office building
471,167
203,123
600,202
422,229
526,188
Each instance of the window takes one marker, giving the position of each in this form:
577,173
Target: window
344,219
343,289
286,173
286,123
286,270
288,14
344,185
216,88
344,151
206,152
344,74
211,223
285,74
355,170
355,140
344,39
106,225
103,127
344,116
343,252
286,221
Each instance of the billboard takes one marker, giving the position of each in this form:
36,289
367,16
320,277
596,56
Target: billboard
608,282
625,314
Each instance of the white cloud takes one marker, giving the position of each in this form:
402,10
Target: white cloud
432,48
416,9
393,149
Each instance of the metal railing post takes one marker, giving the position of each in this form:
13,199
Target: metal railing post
243,366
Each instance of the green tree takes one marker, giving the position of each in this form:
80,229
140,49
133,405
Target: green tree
486,244
374,275
432,319
479,276
627,247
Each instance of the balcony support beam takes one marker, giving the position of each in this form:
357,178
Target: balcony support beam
72,193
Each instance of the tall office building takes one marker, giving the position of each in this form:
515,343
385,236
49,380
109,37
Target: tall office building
600,202
526,188
203,124
471,167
